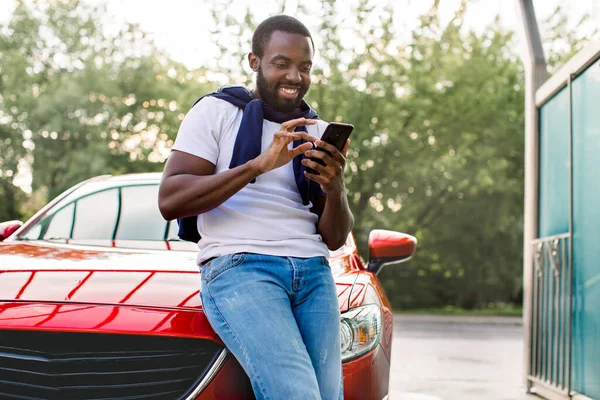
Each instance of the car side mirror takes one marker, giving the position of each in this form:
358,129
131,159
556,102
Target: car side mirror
389,247
8,228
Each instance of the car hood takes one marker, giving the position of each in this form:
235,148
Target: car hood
58,273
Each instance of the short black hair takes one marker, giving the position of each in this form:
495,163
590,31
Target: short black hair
284,23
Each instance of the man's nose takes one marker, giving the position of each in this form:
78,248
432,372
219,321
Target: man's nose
293,75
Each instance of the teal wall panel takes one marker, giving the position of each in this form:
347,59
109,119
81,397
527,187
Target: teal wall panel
586,232
554,166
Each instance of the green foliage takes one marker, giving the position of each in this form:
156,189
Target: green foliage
437,151
77,102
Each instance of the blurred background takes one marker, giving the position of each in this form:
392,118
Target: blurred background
434,88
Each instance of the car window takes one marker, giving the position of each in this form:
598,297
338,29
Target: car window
173,229
140,217
59,224
96,215
33,233
83,190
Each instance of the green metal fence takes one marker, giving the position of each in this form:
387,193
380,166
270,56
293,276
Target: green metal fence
551,325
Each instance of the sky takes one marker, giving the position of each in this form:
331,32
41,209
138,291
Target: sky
182,26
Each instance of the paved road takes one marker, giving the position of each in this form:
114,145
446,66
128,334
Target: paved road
457,358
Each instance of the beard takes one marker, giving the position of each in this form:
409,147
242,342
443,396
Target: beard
270,95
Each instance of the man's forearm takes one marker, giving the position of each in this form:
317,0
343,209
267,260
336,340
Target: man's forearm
336,221
184,194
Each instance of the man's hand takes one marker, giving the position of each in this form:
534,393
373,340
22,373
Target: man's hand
278,152
331,176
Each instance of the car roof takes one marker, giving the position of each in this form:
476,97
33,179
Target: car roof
139,177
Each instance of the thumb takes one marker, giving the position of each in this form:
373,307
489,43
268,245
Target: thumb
346,146
301,149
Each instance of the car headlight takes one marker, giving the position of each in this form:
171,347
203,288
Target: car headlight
360,331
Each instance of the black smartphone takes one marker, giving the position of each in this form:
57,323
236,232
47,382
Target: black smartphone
335,134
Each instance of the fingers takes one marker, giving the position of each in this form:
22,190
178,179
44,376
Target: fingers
321,179
295,136
290,125
284,135
321,155
300,149
326,146
287,137
305,136
281,140
346,147
325,171
335,154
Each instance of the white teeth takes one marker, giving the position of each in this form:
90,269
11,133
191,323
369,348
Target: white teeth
289,91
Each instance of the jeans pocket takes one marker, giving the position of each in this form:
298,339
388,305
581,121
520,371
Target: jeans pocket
215,267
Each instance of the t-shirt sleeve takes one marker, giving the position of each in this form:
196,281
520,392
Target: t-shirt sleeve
200,129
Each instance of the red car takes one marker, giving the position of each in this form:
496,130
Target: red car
100,300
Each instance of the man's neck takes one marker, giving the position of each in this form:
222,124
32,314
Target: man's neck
255,94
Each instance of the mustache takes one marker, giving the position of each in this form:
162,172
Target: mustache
291,85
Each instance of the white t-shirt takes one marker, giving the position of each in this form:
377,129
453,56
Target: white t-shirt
265,217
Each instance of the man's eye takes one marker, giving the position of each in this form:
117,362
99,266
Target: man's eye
306,69
282,66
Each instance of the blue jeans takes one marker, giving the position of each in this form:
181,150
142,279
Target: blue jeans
280,318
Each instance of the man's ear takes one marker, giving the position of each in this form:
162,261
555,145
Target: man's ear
254,61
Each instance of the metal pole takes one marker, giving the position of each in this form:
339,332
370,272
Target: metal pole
535,74
570,311
563,343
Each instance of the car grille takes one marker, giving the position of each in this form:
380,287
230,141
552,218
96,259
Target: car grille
73,366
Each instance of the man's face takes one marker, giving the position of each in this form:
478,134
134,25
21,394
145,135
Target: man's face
284,70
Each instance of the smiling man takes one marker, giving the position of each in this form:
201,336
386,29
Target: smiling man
264,224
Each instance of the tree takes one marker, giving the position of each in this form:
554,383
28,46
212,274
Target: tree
438,145
437,151
77,102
